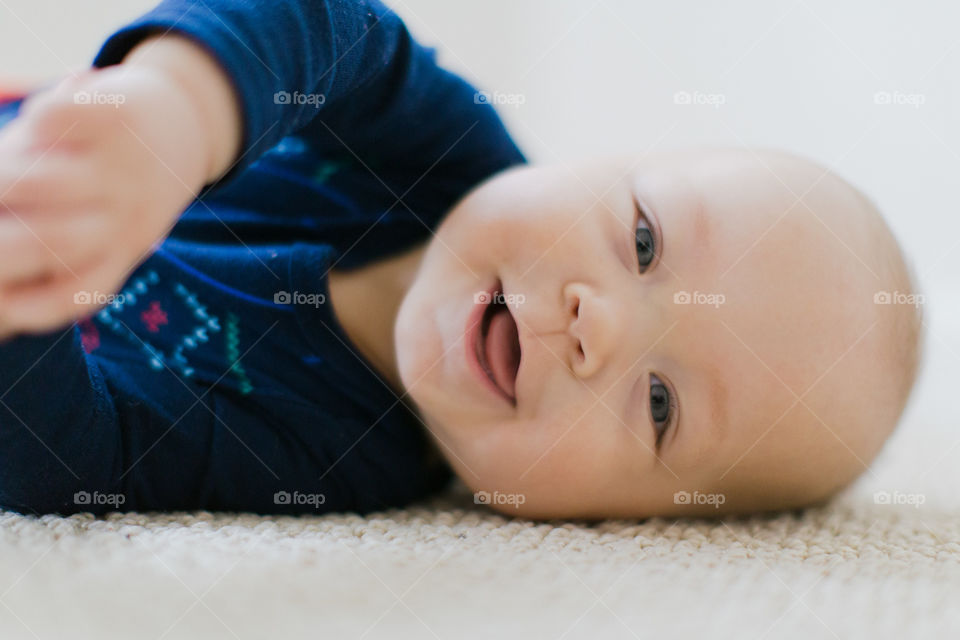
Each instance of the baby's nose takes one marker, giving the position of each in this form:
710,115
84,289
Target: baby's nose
595,326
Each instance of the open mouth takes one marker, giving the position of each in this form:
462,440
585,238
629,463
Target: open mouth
497,344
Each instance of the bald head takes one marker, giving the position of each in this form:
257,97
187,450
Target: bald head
857,328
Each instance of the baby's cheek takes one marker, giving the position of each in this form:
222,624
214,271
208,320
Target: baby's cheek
562,451
503,232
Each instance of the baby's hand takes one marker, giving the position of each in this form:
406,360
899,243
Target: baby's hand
93,174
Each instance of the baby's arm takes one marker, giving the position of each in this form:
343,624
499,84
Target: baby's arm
95,184
84,433
95,171
115,174
348,68
348,79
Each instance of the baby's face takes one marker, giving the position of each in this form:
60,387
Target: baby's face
723,350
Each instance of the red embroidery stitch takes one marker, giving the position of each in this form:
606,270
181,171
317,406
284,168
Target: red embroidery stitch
153,317
89,335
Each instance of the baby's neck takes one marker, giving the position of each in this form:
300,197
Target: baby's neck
366,300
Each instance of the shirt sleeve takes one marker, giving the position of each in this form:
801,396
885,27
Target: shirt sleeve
347,73
84,434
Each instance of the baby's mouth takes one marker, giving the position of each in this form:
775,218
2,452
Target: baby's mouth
498,345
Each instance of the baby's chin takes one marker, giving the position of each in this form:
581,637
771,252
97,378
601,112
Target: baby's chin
427,343
411,342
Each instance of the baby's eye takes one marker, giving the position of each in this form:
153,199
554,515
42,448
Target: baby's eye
660,405
646,250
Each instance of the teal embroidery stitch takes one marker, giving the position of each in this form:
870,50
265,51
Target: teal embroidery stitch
325,170
190,340
231,339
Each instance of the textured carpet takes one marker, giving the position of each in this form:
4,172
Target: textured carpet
449,569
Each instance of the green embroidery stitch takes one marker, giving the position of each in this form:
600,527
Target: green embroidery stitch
232,342
325,170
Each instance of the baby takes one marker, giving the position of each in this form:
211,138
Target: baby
690,332
268,256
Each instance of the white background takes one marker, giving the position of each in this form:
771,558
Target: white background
600,76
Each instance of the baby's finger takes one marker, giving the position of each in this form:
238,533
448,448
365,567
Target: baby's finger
52,184
46,305
38,306
33,179
56,91
32,245
73,112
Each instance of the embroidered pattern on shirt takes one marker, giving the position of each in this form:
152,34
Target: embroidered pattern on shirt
153,317
89,335
157,320
231,340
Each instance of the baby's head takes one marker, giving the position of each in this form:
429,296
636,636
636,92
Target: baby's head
708,321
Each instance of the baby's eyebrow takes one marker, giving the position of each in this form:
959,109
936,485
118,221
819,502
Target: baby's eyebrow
719,400
705,434
702,231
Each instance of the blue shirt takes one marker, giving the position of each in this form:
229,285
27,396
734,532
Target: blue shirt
218,377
